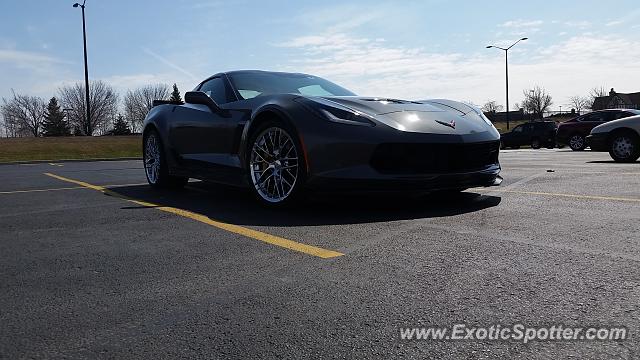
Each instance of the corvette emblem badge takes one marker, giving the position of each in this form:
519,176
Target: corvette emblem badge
451,124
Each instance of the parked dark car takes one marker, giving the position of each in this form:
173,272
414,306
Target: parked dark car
536,134
280,134
575,131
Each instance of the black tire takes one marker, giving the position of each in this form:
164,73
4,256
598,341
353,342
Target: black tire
502,145
624,147
158,178
255,164
577,142
535,143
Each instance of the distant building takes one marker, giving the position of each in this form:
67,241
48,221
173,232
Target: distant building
617,101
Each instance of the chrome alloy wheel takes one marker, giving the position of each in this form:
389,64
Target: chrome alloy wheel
622,147
274,165
152,158
576,142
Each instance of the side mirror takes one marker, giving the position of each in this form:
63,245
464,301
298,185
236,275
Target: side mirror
198,97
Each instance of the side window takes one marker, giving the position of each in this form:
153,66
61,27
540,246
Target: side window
612,115
527,128
622,114
518,129
597,116
216,90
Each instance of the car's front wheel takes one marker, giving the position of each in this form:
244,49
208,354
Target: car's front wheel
577,142
624,147
155,164
276,164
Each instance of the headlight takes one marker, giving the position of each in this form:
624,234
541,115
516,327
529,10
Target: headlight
481,116
336,112
486,119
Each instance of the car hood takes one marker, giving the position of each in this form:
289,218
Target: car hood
426,116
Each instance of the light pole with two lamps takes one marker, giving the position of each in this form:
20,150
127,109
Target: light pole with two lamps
506,62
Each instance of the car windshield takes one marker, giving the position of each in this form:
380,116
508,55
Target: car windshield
251,85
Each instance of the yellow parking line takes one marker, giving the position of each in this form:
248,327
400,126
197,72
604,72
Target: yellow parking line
236,229
40,190
574,196
63,188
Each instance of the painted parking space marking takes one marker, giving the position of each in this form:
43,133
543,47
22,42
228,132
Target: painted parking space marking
27,191
574,196
39,190
236,229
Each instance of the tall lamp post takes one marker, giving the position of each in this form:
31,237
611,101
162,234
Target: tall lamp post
506,62
88,130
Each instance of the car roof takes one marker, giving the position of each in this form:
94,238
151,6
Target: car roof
261,72
604,110
234,72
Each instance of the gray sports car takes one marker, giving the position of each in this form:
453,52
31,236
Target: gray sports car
281,134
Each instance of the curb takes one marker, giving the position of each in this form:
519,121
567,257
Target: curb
68,160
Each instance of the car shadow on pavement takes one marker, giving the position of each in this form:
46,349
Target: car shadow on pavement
237,206
611,162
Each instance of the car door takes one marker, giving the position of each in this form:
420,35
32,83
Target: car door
527,134
589,121
202,137
513,138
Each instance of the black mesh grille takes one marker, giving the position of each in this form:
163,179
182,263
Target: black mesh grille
434,158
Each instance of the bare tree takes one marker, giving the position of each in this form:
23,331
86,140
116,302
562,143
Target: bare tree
492,106
138,103
24,113
597,92
104,104
537,101
580,103
9,123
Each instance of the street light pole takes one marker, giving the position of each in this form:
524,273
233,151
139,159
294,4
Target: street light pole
506,67
506,70
88,130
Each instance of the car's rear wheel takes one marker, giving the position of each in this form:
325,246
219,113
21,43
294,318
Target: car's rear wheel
577,142
155,164
276,164
624,147
535,143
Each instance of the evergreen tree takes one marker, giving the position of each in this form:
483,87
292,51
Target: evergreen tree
175,95
120,126
54,120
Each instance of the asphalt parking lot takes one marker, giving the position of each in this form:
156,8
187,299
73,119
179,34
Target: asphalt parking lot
93,263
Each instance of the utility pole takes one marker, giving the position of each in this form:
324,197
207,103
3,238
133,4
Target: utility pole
88,130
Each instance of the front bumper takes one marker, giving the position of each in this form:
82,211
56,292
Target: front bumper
364,178
358,158
598,142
